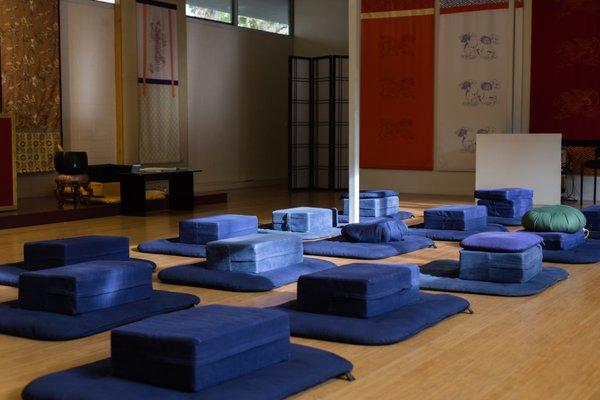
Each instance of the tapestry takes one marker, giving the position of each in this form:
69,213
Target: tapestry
565,69
397,78
475,53
30,70
8,173
158,99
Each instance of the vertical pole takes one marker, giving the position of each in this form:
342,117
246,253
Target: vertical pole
354,8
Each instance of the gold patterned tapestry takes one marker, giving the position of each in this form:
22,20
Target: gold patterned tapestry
30,70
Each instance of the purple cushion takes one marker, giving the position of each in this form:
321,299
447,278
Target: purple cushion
501,242
504,193
373,194
561,240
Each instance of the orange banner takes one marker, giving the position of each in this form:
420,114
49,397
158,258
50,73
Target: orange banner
397,75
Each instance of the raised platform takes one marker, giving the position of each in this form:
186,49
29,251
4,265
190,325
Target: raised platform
44,210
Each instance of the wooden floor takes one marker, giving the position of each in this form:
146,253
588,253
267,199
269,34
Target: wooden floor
541,347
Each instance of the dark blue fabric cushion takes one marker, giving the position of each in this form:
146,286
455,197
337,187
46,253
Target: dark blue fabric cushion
387,328
304,219
359,290
452,235
307,367
443,275
372,194
586,253
504,221
43,325
561,240
217,227
389,230
400,215
456,217
507,208
377,207
504,193
366,251
59,252
173,247
502,242
198,275
85,287
592,216
198,348
501,267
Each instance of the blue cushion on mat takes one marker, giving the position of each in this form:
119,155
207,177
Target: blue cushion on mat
388,328
388,230
456,217
504,193
592,216
443,275
504,242
59,252
504,221
172,247
307,367
375,207
359,290
198,348
398,215
561,240
208,229
501,267
586,253
43,325
507,208
451,234
199,275
85,287
367,251
372,194
304,219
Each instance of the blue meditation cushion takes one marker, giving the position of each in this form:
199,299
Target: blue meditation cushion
592,215
561,240
501,242
504,193
384,231
59,252
507,208
501,267
456,217
303,219
372,194
359,290
201,347
255,253
375,207
81,288
217,227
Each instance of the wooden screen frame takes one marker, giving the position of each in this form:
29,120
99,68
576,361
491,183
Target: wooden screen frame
14,164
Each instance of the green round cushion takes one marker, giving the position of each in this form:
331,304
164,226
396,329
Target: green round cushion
554,219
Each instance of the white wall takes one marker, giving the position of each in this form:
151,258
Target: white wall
238,105
321,27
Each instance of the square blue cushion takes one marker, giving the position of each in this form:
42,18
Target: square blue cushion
375,207
561,240
59,252
504,193
255,253
302,219
208,229
501,267
384,231
592,215
507,208
456,217
359,290
373,194
198,348
502,242
81,288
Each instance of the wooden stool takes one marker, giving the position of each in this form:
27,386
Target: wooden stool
75,183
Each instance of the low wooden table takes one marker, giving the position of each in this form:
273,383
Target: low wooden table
133,190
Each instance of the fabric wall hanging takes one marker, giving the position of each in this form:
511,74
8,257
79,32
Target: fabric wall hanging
300,123
8,171
30,70
159,138
565,69
397,75
475,55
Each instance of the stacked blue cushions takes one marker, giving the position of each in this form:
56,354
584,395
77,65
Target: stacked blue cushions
373,194
592,215
501,257
198,348
303,219
81,288
359,290
383,231
456,217
60,252
255,253
562,240
208,229
506,202
375,203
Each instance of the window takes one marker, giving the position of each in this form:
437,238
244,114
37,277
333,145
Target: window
264,15
107,1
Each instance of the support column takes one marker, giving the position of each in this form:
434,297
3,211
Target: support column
354,8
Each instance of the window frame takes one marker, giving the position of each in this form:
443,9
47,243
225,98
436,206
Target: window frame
234,19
